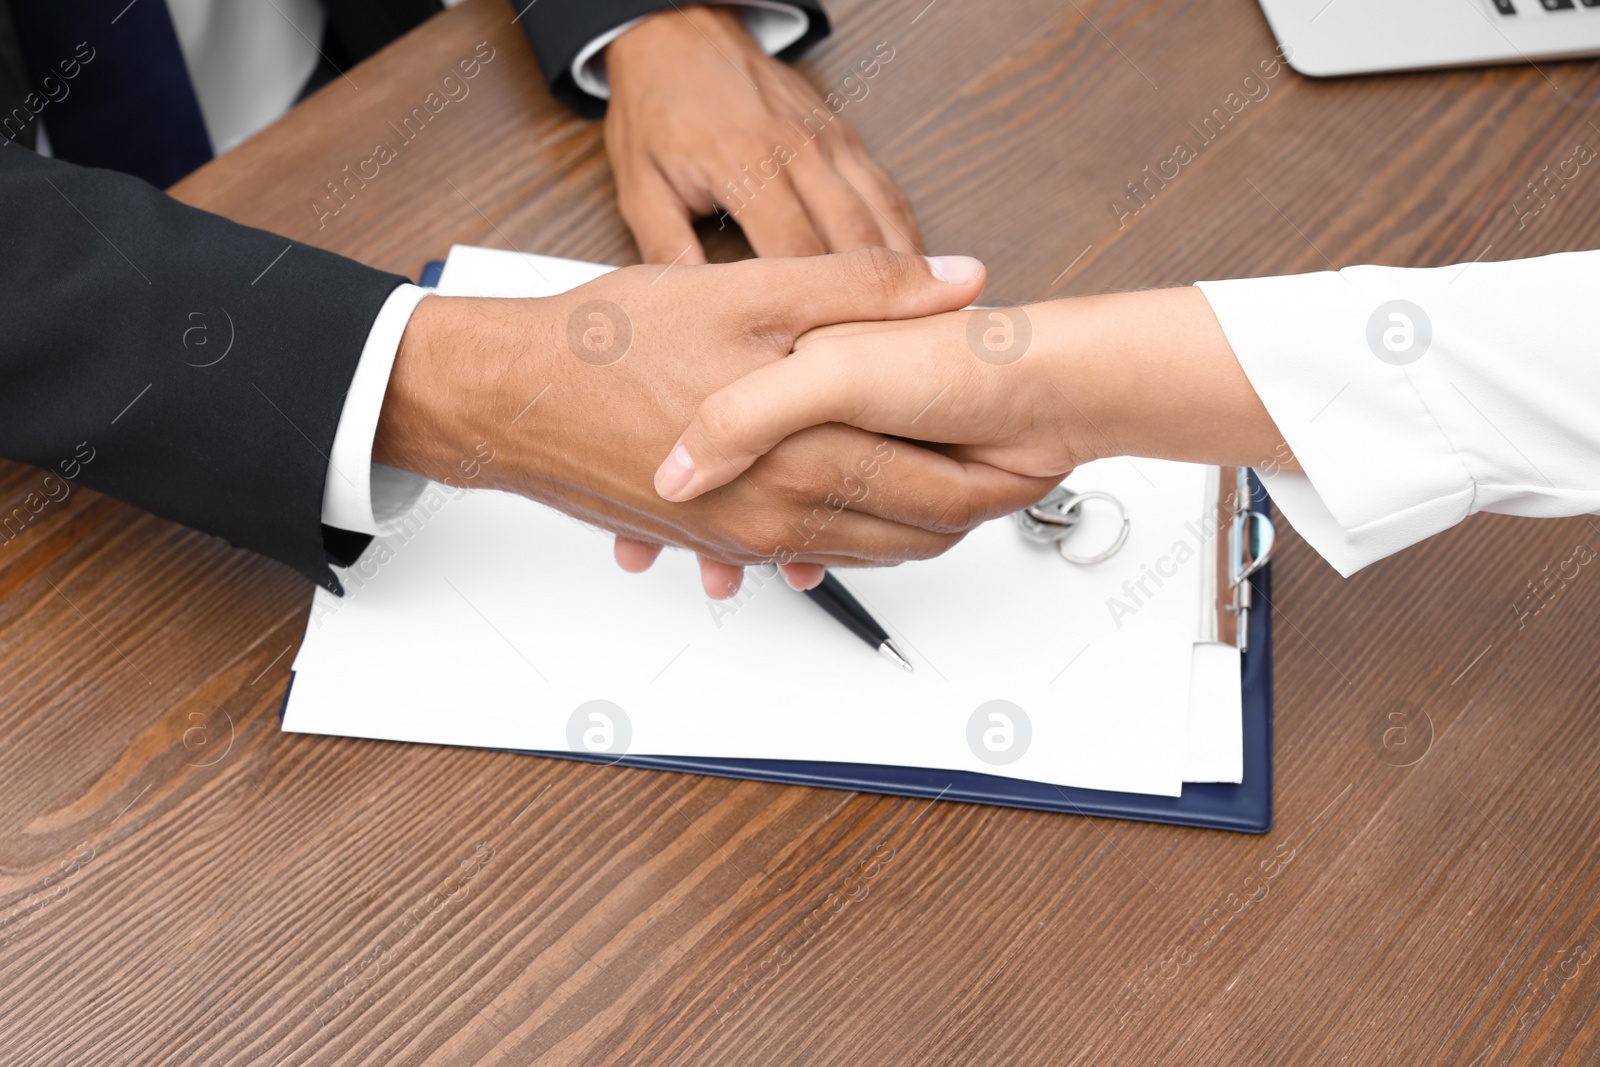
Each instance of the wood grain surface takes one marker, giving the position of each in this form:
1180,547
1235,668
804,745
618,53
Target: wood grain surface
182,883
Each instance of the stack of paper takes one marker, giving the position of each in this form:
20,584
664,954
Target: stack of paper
493,621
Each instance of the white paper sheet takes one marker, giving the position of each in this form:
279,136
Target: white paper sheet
495,621
1216,716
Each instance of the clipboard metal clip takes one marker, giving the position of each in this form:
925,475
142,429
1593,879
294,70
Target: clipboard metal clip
1054,518
1251,538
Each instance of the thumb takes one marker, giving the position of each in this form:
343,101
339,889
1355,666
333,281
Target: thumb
742,421
866,285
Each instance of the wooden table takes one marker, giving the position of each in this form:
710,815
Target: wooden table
182,883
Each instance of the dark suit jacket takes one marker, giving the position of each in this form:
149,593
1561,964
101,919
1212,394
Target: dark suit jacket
122,303
557,30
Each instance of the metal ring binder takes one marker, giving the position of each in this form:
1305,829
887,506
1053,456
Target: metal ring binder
1054,518
1247,548
1251,538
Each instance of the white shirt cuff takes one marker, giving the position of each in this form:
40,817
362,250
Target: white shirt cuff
1496,412
1372,455
359,495
775,26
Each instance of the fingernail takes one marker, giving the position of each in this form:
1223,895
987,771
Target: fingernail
674,474
811,581
957,270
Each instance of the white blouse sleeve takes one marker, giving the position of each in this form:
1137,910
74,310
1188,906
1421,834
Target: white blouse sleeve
1413,398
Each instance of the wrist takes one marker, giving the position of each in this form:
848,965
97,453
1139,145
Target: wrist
654,35
410,424
443,395
1151,374
1077,382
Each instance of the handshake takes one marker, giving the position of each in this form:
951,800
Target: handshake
838,410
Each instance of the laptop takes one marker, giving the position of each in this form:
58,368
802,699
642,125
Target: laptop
1331,37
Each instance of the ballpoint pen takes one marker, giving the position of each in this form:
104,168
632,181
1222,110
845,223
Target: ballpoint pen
836,600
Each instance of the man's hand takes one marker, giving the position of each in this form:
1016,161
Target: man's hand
581,394
702,119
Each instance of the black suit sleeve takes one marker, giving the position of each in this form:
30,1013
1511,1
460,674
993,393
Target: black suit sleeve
558,30
357,28
173,359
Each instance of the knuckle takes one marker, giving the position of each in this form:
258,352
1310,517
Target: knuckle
956,514
938,545
806,465
879,271
756,540
720,421
1001,504
750,147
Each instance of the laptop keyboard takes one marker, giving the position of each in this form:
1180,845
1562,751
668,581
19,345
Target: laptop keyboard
1510,7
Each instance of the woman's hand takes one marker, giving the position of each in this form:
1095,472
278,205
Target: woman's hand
1035,390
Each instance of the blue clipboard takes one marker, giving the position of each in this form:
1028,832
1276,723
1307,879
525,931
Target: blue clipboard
1245,807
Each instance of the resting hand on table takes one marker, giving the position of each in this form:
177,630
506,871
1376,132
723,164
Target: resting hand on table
702,119
579,394
1143,374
